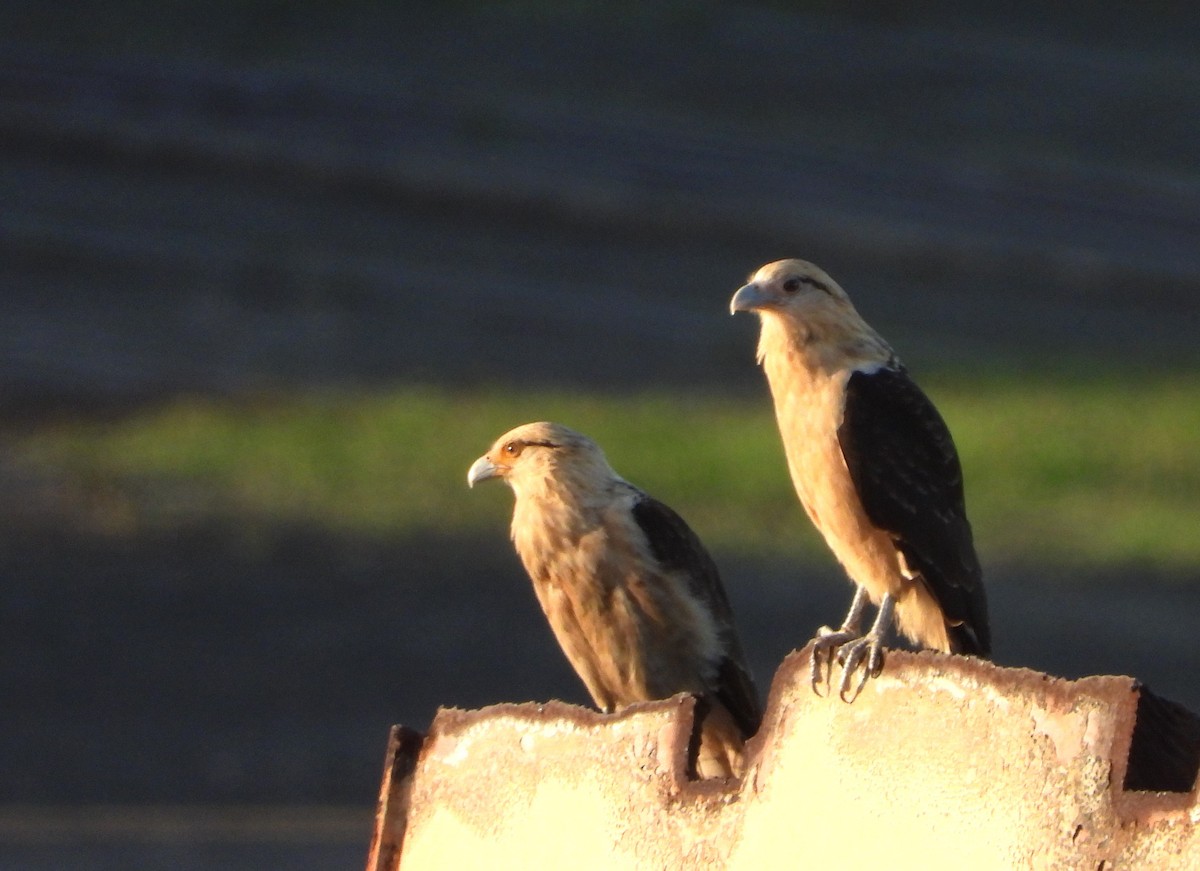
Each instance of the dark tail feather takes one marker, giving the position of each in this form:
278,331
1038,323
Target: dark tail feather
966,641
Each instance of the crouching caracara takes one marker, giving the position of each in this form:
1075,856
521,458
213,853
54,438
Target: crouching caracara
632,596
875,469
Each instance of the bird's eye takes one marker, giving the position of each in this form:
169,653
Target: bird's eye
792,284
512,449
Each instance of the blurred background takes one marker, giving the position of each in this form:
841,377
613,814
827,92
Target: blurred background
273,274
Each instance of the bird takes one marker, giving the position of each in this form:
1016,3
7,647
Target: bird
875,468
632,596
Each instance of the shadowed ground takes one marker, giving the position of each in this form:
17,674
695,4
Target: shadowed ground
182,669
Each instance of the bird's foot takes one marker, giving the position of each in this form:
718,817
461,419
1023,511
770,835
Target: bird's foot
828,644
851,648
864,655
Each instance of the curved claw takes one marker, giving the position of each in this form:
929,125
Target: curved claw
827,645
866,652
817,671
851,648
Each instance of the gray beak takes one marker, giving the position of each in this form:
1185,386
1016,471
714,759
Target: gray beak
481,470
747,299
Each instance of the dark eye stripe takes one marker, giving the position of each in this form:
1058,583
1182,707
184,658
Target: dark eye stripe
792,284
514,448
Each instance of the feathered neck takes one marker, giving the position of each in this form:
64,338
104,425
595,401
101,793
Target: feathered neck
576,483
821,342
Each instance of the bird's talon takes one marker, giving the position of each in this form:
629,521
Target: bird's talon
863,656
816,674
876,661
825,648
846,679
820,672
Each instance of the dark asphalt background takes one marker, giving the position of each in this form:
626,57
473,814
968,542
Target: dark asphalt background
277,197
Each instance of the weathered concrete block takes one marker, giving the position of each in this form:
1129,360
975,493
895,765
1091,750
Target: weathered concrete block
941,762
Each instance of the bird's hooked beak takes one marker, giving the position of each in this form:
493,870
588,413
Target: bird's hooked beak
481,470
748,298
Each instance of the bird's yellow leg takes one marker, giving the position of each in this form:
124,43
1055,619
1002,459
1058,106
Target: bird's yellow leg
866,651
828,640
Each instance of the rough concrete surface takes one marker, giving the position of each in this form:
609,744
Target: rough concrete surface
941,762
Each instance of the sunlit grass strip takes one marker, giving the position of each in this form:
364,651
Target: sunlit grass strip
397,461
1095,470
1086,471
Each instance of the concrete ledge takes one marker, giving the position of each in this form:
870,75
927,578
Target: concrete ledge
945,761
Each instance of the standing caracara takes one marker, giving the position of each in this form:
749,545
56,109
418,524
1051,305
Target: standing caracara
874,466
633,597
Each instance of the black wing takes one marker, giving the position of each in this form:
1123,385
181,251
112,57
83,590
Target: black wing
906,470
677,548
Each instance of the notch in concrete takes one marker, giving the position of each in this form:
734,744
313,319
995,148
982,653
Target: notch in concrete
1164,750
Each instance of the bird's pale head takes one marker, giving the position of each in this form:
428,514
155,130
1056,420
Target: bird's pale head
541,455
801,306
789,286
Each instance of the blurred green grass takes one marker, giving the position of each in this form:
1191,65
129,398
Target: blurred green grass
1083,470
